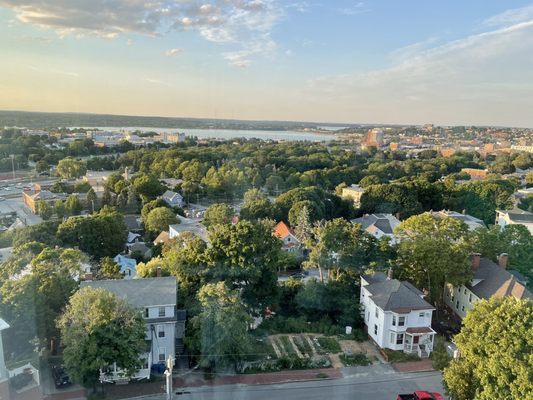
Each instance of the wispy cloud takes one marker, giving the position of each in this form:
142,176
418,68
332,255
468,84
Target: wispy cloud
53,71
510,17
355,9
480,76
247,24
173,52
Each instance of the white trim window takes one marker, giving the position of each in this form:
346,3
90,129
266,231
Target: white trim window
161,331
162,354
402,321
162,312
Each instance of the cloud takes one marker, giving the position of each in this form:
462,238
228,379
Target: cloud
53,71
483,77
243,23
173,52
355,9
510,17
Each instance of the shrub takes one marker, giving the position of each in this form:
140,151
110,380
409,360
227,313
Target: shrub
329,344
354,359
399,356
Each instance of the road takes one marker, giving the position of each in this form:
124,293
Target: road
374,387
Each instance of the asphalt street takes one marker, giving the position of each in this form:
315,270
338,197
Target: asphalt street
373,387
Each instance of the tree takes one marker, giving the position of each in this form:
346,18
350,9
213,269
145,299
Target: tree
149,269
106,197
44,232
529,179
303,228
41,166
59,208
440,358
148,187
257,206
523,161
159,219
246,255
221,338
92,200
73,205
218,214
495,346
99,329
149,206
132,202
433,251
69,168
109,269
102,234
33,301
44,209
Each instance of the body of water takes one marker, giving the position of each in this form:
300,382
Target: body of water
230,133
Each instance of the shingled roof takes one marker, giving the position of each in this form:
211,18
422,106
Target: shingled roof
141,293
396,296
495,281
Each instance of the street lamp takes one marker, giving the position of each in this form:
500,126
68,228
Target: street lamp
168,375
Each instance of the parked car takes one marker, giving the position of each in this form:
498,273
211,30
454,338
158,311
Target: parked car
421,395
2,198
61,378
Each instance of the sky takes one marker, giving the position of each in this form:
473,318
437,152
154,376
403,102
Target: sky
451,62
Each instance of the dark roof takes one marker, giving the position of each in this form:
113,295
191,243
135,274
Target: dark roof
393,295
375,277
132,223
140,293
422,329
379,221
384,226
495,281
518,215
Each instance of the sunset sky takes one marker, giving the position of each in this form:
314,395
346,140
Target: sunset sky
389,61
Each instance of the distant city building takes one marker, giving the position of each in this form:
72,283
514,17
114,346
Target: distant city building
528,149
394,146
515,216
374,138
31,199
166,137
475,173
447,152
354,193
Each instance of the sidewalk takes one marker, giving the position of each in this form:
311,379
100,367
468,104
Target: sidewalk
198,380
414,366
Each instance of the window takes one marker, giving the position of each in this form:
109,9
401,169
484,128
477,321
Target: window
368,315
161,311
162,354
470,298
375,329
421,315
392,337
394,320
146,312
399,338
464,292
453,298
463,308
401,321
160,331
457,304
377,312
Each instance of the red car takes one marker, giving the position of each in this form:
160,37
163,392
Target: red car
421,395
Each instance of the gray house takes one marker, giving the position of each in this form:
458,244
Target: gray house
173,199
156,299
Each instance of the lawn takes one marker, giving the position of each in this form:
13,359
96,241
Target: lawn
329,344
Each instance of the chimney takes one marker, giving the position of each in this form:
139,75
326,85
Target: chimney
464,211
502,260
476,259
88,276
158,272
390,274
397,215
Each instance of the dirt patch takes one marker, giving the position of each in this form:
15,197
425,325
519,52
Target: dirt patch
414,366
366,348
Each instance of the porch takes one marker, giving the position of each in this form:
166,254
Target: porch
114,374
419,341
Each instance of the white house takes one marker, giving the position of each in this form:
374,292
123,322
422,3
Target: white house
290,242
188,225
396,315
379,225
128,266
516,216
490,280
472,222
173,199
156,299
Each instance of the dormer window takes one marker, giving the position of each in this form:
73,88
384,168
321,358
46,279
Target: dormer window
161,311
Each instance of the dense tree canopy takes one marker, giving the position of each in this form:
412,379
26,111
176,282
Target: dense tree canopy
495,346
99,329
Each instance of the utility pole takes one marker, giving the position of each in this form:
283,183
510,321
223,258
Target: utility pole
13,164
168,375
